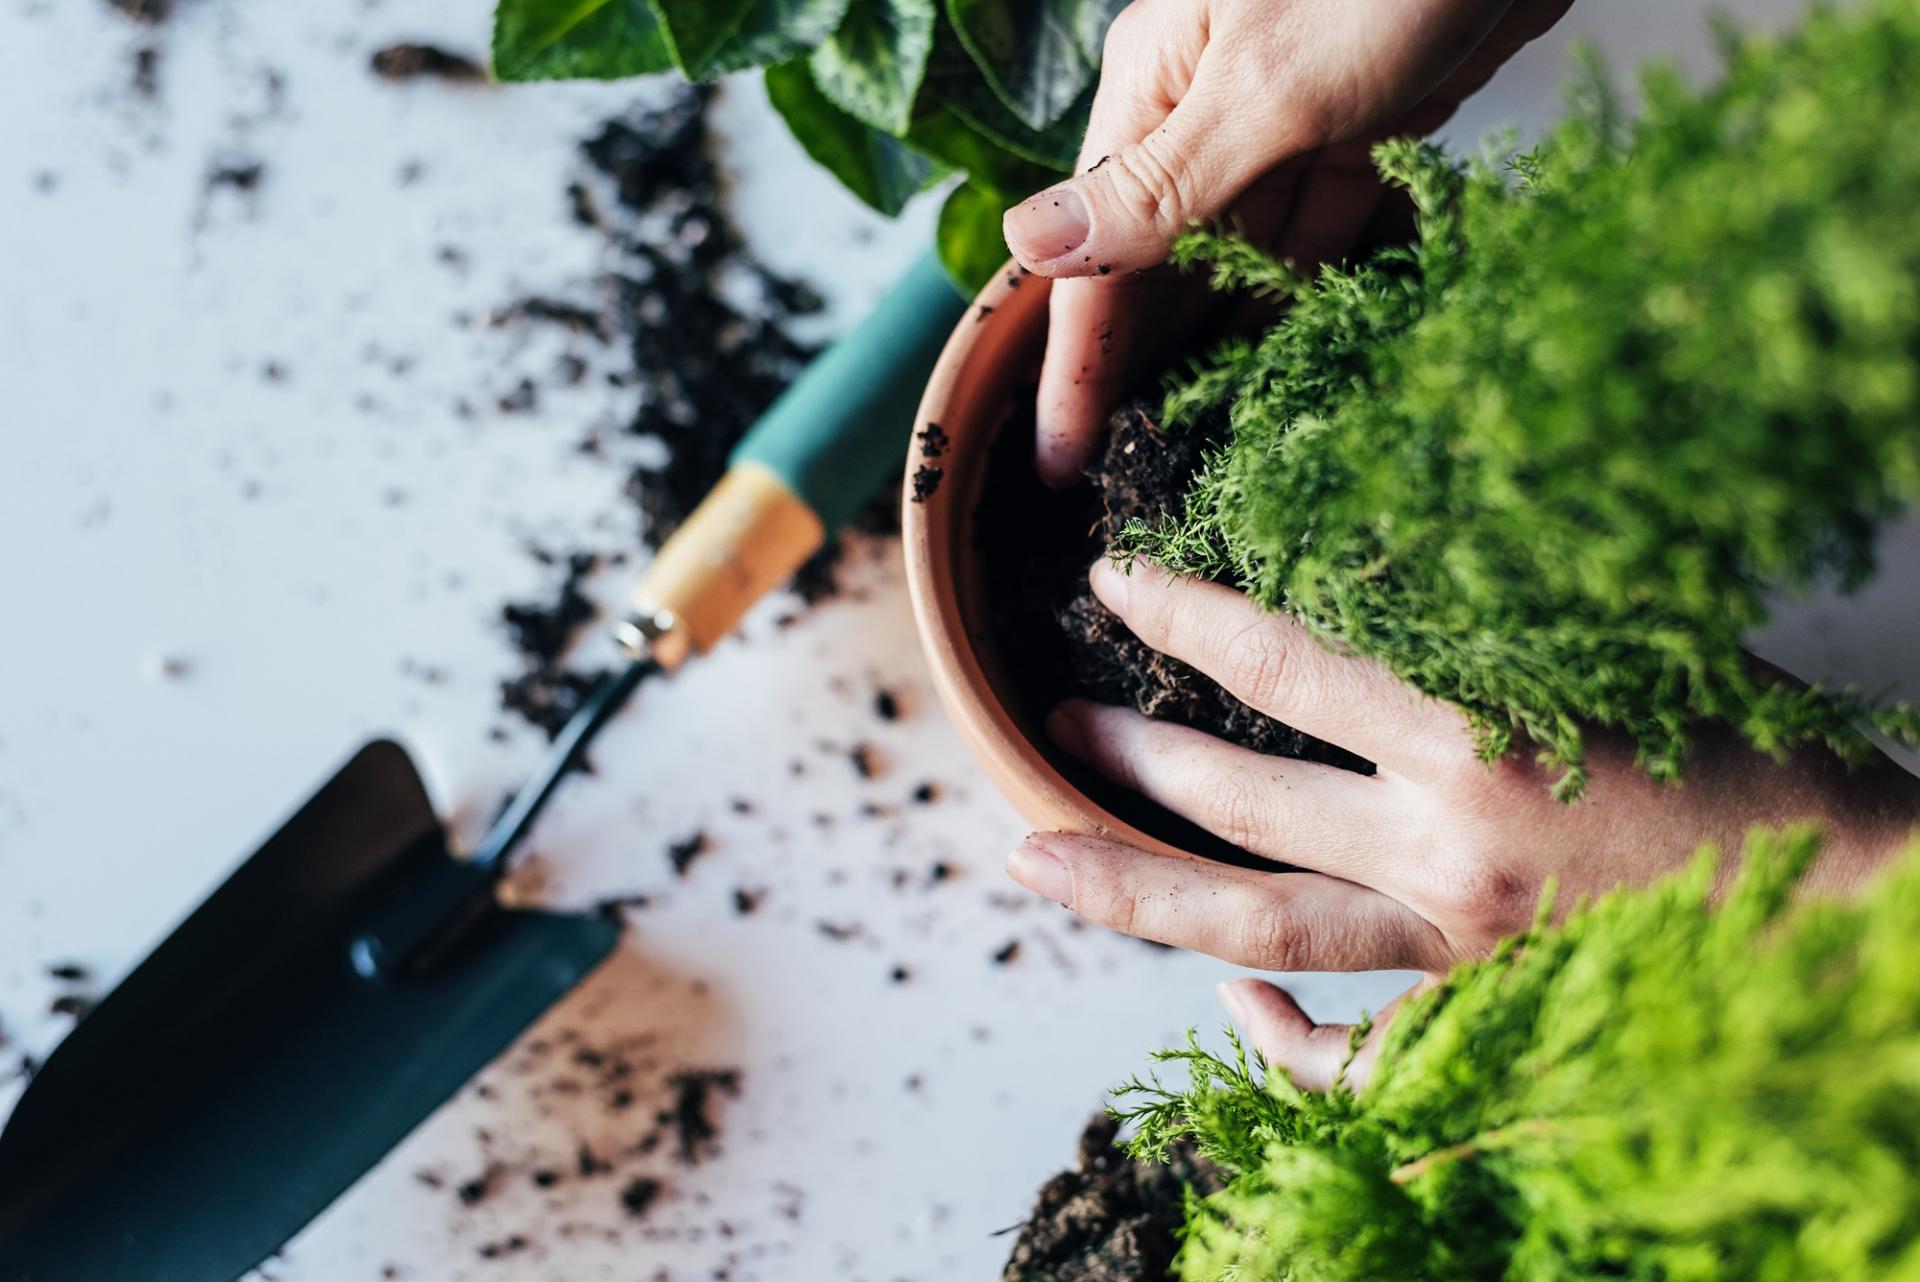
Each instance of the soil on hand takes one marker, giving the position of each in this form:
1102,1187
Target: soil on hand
1057,641
1111,1218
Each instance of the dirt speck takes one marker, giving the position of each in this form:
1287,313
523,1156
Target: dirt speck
409,61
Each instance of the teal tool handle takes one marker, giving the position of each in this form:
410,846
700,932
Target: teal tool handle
843,427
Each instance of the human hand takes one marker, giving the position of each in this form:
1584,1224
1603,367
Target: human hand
1429,861
1262,110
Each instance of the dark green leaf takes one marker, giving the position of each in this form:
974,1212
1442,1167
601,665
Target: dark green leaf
956,82
699,30
875,166
872,65
971,246
774,31
939,133
1038,56
578,39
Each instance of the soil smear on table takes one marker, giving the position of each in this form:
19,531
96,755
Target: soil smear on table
1058,641
704,336
1111,1218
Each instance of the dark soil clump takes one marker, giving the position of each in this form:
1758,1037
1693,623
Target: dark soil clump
406,61
690,1120
1058,641
703,331
548,691
1111,1219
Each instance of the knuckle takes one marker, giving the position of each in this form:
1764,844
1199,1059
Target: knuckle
1109,900
1153,184
1273,939
1257,661
1481,896
1122,33
1234,808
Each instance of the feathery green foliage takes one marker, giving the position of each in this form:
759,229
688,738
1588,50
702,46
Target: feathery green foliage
1657,1088
1547,462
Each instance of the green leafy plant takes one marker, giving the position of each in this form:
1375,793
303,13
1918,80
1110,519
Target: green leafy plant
891,96
1550,461
1658,1088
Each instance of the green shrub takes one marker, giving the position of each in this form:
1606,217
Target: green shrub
1655,1089
892,96
1548,462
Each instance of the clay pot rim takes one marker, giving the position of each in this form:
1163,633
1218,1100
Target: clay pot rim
995,343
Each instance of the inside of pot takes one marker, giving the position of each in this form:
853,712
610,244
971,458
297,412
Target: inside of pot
1028,541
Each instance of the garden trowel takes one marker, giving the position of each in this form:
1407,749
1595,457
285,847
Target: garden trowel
354,972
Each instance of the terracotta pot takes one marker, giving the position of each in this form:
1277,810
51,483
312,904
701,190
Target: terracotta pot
993,355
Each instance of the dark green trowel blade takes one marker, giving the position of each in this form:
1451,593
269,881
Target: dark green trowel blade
246,1073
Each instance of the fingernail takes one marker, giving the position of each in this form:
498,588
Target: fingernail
1229,994
1110,585
1064,729
1047,225
1041,871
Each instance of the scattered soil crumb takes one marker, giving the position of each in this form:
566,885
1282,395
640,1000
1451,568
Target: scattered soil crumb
691,1117
476,1190
152,12
1111,1219
407,61
926,481
747,902
236,175
511,1245
926,794
866,760
838,931
682,853
886,706
639,1195
1005,954
146,71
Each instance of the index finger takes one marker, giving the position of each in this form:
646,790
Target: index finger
1271,662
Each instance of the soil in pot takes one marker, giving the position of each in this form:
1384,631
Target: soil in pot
1056,640
1111,1218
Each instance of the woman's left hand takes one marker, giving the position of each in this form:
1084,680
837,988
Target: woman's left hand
1429,861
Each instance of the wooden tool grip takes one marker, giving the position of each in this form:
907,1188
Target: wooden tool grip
746,538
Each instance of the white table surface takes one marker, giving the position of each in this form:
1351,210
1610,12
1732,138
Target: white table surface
301,548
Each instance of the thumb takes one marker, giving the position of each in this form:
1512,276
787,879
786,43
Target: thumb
1123,212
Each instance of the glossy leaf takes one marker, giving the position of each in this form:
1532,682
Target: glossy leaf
941,134
954,80
775,31
971,246
578,39
877,167
1038,56
872,65
698,31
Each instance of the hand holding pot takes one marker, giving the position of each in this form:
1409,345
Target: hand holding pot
1430,860
1261,110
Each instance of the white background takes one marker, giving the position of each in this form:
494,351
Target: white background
303,547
